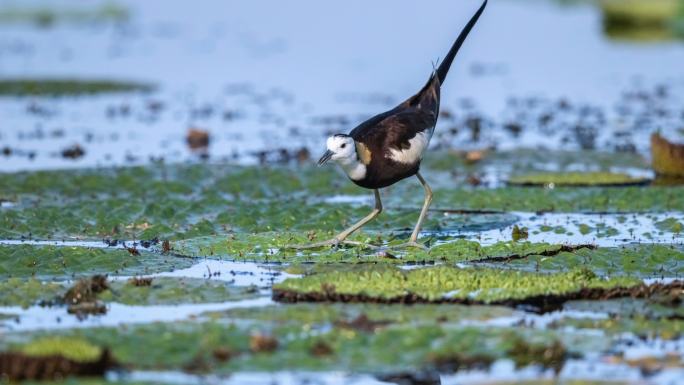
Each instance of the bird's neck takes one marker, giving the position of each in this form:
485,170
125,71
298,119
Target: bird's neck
353,168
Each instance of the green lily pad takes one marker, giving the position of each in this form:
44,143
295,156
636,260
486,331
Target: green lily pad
24,293
671,225
176,291
61,262
576,179
320,315
640,261
61,87
272,247
646,328
46,16
161,291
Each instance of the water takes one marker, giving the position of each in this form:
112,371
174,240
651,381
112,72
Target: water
236,273
502,371
51,318
264,75
605,230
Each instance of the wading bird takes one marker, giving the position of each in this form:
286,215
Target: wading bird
390,146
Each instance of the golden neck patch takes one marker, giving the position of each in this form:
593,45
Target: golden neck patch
363,152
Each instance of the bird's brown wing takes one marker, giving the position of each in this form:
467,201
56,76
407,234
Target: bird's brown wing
396,130
393,129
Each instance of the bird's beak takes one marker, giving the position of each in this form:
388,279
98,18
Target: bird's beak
326,157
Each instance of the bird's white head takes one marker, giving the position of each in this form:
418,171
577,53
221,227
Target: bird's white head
341,149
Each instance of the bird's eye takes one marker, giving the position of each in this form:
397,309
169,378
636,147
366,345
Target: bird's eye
343,145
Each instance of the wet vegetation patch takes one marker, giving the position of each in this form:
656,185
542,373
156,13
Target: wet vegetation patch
319,315
184,201
640,20
566,199
62,262
27,292
671,225
67,87
218,347
531,160
463,250
576,179
89,296
551,354
641,261
273,247
180,202
469,286
176,291
665,307
54,358
46,16
643,327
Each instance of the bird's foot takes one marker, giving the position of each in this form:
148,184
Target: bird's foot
410,244
333,243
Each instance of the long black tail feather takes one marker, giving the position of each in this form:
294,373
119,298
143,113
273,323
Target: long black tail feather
446,64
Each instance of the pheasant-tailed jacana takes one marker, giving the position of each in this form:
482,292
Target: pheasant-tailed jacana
390,146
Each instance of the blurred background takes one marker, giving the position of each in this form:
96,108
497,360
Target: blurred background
97,83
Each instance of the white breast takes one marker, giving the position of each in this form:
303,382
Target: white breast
414,152
354,169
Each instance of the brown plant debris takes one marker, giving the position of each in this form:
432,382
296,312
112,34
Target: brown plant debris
81,298
261,343
140,281
428,377
16,366
86,290
362,323
321,349
73,152
222,354
552,356
81,310
197,138
166,246
133,250
668,157
453,362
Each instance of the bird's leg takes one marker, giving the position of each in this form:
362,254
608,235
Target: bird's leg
423,213
341,237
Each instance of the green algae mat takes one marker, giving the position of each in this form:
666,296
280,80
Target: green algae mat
183,201
201,254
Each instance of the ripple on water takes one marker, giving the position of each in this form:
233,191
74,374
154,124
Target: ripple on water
51,318
502,371
236,273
